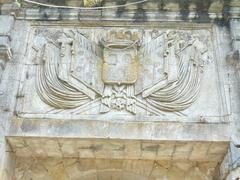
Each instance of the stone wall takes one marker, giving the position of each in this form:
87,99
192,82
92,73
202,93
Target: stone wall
74,168
145,91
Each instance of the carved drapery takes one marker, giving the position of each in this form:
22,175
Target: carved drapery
122,60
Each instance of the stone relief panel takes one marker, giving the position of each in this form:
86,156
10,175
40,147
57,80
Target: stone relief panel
126,71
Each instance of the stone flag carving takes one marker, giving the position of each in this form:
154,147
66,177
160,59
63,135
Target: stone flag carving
120,71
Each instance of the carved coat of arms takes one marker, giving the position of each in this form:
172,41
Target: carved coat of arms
120,72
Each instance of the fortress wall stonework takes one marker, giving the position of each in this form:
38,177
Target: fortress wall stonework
100,89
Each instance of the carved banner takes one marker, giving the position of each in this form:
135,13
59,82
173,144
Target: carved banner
120,70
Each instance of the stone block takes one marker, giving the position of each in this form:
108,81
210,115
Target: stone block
68,148
117,149
165,151
16,142
199,151
140,167
86,153
149,150
58,172
6,24
132,150
218,148
182,150
109,175
215,157
131,130
82,169
195,173
37,146
131,176
101,149
159,174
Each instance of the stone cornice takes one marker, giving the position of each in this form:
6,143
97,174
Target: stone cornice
234,13
159,11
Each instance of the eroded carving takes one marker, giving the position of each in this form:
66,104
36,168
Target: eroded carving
160,76
91,3
5,53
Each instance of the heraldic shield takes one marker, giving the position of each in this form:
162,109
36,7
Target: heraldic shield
122,72
120,63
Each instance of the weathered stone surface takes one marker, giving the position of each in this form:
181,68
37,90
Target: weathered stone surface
185,63
144,91
117,149
103,169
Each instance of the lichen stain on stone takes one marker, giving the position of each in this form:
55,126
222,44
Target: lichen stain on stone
161,5
152,148
184,9
202,10
96,147
43,12
120,10
60,17
140,14
58,172
121,148
226,8
29,126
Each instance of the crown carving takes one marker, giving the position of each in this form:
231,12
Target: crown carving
120,40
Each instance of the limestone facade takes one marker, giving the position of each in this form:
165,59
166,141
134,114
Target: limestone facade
143,90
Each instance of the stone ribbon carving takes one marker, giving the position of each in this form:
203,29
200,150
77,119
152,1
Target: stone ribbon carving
180,86
122,60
